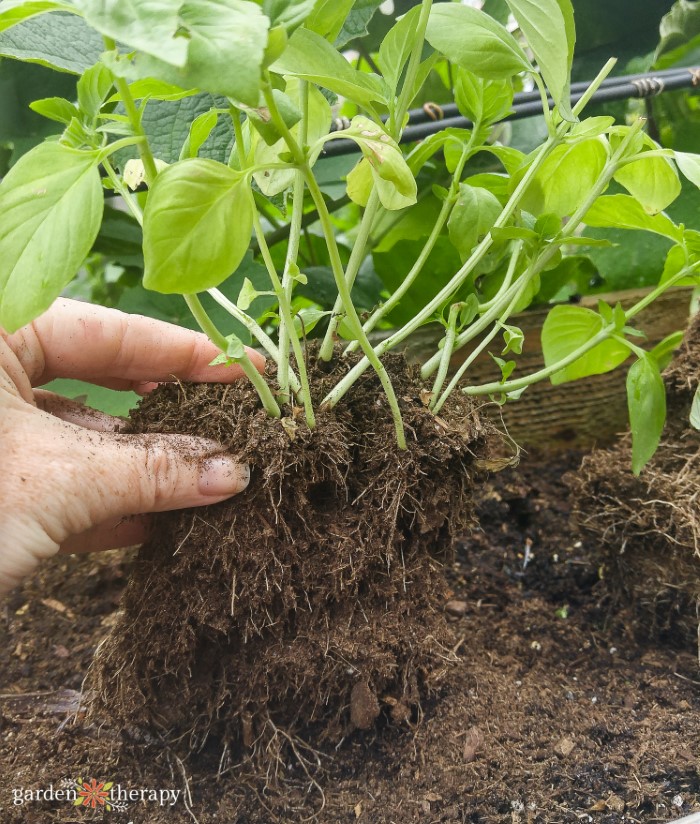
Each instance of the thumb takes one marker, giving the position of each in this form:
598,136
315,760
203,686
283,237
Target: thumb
74,479
132,474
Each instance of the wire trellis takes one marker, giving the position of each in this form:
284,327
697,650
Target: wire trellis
432,118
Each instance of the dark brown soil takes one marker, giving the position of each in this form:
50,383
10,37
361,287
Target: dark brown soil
550,709
312,600
648,527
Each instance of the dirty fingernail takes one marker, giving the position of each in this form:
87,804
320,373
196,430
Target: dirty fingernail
223,475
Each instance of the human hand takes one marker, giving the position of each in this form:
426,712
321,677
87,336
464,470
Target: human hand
69,481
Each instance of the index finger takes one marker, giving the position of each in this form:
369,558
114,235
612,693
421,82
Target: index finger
110,348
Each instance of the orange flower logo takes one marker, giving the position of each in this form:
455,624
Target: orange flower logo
93,794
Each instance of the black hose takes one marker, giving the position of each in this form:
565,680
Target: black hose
432,119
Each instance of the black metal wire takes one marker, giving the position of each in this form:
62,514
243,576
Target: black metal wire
432,118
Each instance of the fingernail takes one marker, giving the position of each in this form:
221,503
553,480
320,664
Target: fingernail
223,475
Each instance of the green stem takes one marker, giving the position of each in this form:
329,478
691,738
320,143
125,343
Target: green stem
551,250
254,328
356,258
293,247
395,129
149,163
447,291
548,371
207,326
337,266
524,282
447,349
608,331
351,313
286,313
284,304
421,260
123,190
545,101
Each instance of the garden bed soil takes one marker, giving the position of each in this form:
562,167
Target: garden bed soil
552,708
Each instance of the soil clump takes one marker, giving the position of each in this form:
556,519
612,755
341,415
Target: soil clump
312,600
649,526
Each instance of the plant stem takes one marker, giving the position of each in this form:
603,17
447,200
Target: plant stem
421,260
284,304
608,331
570,228
293,249
447,349
351,313
356,258
525,280
337,266
395,129
122,86
207,326
254,328
447,291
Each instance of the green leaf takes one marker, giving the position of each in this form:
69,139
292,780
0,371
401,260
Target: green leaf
675,262
60,41
356,24
689,164
274,181
590,127
96,397
472,39
51,204
625,212
235,351
473,216
311,57
396,48
247,295
513,338
565,330
695,410
262,122
506,367
565,178
55,108
328,17
653,181
482,101
646,401
16,11
151,26
93,88
680,34
202,126
306,320
227,41
384,161
548,26
663,351
289,14
197,226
